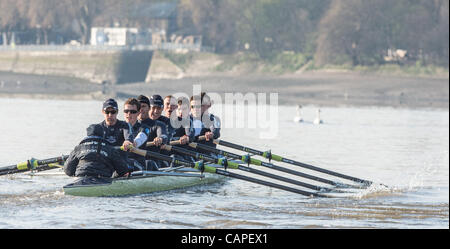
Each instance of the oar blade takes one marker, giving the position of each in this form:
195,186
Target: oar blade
269,184
246,159
33,164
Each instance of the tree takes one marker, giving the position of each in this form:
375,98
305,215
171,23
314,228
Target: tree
12,15
214,20
46,16
360,31
271,26
83,12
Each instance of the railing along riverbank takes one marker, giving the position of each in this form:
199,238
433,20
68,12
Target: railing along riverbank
162,46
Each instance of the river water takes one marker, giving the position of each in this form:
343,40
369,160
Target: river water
405,152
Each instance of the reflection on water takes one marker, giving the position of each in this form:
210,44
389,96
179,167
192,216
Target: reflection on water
407,150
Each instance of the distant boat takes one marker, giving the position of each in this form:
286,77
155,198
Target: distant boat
298,118
318,120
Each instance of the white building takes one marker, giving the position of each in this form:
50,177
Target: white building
113,36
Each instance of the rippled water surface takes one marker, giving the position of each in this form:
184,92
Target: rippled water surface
406,150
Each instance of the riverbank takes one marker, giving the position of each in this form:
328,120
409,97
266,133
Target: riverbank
20,85
293,64
298,81
320,88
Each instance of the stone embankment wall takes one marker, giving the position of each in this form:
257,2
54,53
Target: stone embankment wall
95,66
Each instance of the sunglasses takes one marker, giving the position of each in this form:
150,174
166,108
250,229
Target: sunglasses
130,111
110,112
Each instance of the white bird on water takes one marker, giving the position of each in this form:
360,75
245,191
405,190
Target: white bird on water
318,120
298,118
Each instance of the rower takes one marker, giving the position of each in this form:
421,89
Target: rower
151,117
156,108
155,111
178,113
178,128
95,158
204,124
158,129
140,133
144,117
183,110
170,105
211,122
183,131
145,107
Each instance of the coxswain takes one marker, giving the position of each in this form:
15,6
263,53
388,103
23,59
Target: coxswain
114,129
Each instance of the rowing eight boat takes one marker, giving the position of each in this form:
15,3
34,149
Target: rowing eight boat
139,183
189,174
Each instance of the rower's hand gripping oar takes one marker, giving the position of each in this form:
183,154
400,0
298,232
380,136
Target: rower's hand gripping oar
175,142
271,156
209,169
33,164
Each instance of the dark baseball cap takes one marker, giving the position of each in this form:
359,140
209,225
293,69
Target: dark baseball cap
143,99
95,130
110,103
156,100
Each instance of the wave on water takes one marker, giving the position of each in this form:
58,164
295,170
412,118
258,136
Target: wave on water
31,197
23,188
233,223
376,190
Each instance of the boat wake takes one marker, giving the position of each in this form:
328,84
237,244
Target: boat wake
21,199
377,190
23,188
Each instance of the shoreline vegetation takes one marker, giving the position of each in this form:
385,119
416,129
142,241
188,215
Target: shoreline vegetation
293,76
287,63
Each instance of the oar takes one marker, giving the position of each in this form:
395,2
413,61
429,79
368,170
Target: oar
33,164
270,156
249,160
205,168
233,165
